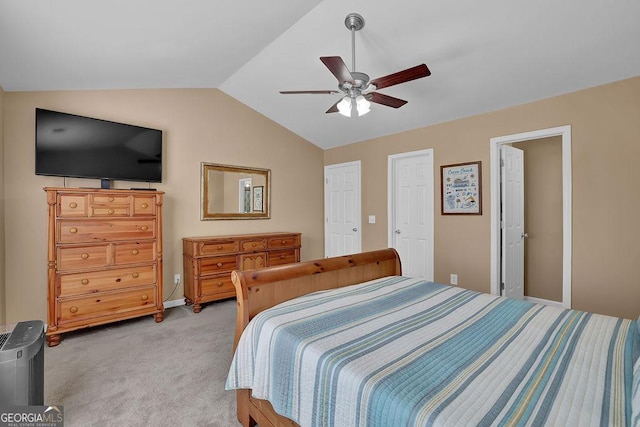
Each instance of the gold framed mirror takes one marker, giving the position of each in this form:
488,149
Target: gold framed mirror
234,192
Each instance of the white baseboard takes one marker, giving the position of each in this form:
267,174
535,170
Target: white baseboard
173,303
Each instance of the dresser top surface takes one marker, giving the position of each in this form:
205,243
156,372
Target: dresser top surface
239,236
101,190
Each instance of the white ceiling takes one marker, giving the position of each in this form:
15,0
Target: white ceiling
483,56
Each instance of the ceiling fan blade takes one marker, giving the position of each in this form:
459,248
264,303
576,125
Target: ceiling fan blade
338,68
334,107
407,75
387,100
312,92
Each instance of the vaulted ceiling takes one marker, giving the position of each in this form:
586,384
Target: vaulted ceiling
483,56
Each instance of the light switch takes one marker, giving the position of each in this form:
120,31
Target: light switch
372,219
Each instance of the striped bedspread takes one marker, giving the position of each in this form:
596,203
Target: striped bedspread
404,352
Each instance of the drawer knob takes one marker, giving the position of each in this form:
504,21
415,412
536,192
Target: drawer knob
220,247
73,205
85,281
144,297
254,244
144,228
219,264
135,275
73,309
111,211
135,252
84,256
111,199
220,284
73,230
281,256
144,206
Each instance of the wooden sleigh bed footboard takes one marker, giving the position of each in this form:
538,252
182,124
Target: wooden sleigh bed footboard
258,290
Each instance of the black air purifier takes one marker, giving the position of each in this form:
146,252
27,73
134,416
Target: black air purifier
22,364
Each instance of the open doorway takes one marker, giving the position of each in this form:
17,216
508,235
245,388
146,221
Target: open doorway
548,252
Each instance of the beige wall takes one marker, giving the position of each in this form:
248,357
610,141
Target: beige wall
207,125
605,153
3,298
199,125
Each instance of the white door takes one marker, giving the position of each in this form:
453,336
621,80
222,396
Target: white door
411,211
513,233
342,209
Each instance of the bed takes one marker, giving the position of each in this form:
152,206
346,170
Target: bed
349,341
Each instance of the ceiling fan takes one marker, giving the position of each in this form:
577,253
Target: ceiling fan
358,88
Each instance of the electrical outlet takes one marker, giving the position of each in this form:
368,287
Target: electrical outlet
454,279
176,279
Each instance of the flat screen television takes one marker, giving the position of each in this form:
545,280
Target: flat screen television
83,147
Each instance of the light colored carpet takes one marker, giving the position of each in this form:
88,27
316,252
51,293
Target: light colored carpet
142,373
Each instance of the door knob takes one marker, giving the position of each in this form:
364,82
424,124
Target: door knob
398,231
355,229
524,235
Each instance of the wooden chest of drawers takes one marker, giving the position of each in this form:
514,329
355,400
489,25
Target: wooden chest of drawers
104,257
208,261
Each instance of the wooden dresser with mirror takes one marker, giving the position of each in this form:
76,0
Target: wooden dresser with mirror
104,257
209,261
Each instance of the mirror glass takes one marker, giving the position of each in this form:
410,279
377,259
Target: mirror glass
234,192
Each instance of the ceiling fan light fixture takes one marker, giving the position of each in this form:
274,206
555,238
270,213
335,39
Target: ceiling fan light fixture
344,106
362,105
358,105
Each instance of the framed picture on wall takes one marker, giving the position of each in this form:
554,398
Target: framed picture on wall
461,189
257,198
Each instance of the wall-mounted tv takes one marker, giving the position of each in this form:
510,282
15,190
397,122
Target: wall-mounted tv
82,147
